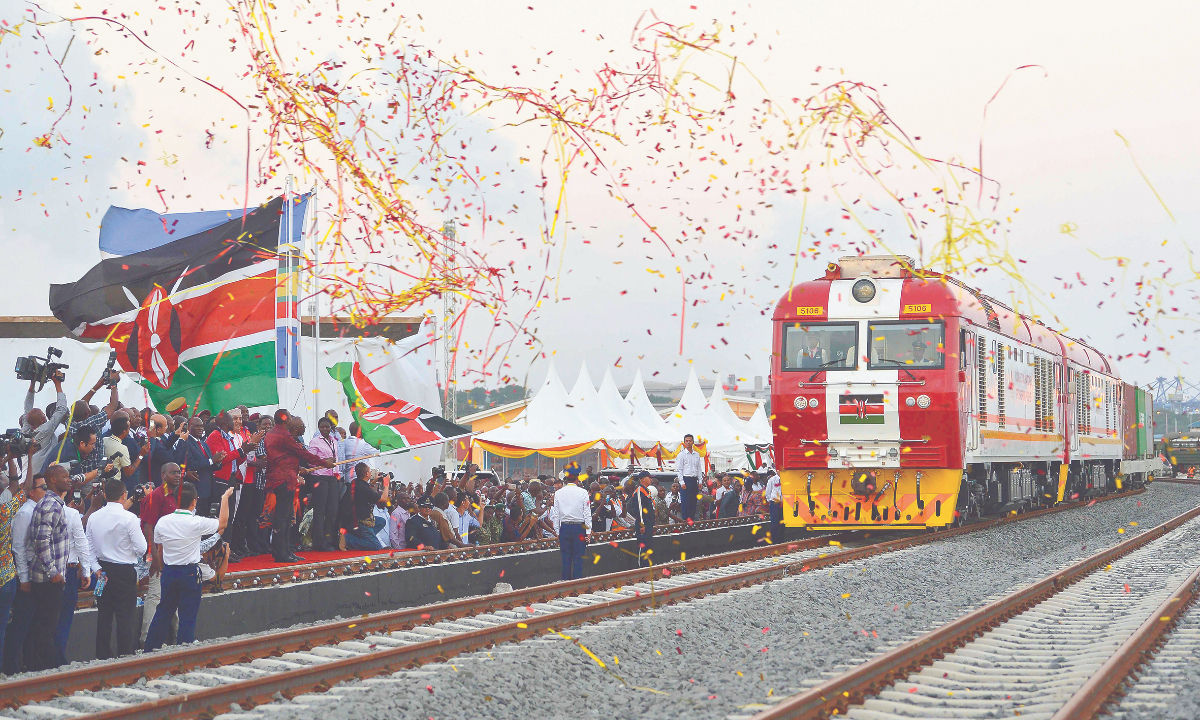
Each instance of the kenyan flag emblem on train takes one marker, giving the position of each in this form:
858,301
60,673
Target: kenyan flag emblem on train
860,409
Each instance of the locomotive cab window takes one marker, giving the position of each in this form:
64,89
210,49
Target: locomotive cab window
907,344
820,346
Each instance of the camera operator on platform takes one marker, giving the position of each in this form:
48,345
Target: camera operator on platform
82,417
37,428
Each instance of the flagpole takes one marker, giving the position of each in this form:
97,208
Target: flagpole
285,231
316,289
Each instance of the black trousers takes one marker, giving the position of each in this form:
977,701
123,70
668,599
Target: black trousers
645,538
281,524
117,603
47,599
691,488
246,521
326,491
775,514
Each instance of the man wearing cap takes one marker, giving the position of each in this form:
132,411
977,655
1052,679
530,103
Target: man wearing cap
643,518
420,532
572,522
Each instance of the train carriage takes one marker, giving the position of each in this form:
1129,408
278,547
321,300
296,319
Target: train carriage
907,399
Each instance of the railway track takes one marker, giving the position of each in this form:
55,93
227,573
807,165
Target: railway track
1058,648
397,559
205,680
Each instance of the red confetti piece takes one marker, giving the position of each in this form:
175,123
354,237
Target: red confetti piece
678,649
765,630
912,690
666,572
679,633
1126,587
501,573
424,616
429,688
367,594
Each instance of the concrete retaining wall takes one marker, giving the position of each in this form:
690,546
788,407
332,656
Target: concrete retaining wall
236,612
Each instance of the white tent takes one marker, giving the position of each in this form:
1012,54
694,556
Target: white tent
695,415
610,413
645,414
760,424
592,413
718,404
620,408
548,422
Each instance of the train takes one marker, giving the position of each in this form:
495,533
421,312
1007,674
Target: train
903,398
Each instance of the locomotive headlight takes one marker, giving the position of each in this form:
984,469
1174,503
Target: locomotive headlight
813,403
863,291
922,401
800,403
910,401
833,452
893,452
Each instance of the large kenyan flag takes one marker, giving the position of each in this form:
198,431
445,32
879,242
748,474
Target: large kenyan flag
194,318
389,423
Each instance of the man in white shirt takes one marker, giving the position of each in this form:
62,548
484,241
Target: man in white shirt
573,522
355,447
177,544
23,605
399,517
82,570
773,496
688,469
117,541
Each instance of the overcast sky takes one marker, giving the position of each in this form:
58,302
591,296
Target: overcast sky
1049,139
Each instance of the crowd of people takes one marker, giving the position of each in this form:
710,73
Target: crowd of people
117,498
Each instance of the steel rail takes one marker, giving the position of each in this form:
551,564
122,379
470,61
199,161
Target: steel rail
129,669
15,693
835,695
1139,648
368,561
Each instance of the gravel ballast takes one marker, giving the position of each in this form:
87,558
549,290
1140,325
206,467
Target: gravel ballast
727,654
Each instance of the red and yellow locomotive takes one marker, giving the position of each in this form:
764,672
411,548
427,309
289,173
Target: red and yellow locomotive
906,399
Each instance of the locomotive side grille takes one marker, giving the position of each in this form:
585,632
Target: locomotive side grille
1038,390
1051,395
1000,385
926,456
981,372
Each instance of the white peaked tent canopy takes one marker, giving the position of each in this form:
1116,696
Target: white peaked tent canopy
645,414
760,424
586,404
615,410
718,404
549,422
694,414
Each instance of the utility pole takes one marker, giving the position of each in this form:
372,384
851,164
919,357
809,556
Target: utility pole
449,342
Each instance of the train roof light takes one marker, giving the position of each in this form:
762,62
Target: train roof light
863,291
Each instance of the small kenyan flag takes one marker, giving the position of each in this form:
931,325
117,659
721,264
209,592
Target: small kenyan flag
860,409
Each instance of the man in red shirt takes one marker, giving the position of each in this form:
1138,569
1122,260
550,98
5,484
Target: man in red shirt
158,504
284,456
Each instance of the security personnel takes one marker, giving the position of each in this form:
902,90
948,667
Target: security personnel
420,532
643,518
773,496
573,522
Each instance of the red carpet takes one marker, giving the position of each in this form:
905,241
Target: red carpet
266,562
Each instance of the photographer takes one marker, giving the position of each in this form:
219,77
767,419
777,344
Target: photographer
81,416
357,516
37,428
116,537
82,443
117,443
177,552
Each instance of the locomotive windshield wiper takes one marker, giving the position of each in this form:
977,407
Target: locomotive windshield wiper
902,366
824,364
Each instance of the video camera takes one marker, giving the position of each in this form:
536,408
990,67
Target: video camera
13,443
110,381
43,370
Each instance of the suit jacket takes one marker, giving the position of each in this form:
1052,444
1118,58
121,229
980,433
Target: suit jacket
194,455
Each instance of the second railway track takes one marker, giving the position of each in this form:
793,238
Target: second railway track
204,680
